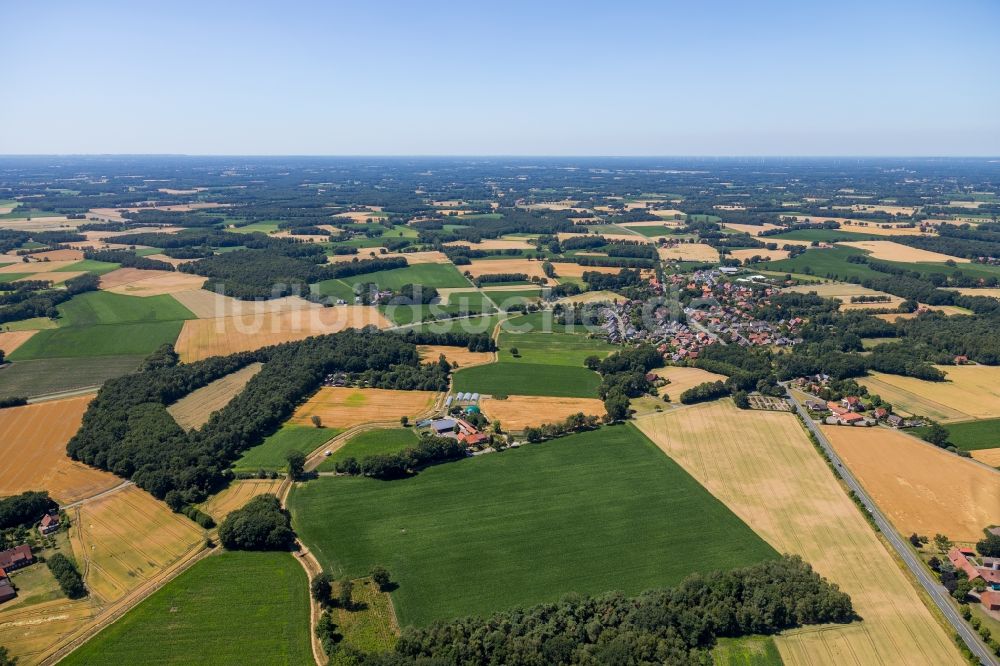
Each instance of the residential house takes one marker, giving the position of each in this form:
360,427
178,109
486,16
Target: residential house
895,421
852,403
49,524
880,413
7,591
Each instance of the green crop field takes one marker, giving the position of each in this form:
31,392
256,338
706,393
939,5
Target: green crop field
370,442
263,227
428,275
231,608
551,348
746,651
100,340
561,381
91,266
471,302
53,375
598,511
823,235
513,296
830,263
476,324
271,454
10,277
970,435
104,307
652,231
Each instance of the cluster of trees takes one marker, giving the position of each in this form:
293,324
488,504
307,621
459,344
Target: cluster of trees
636,250
26,509
479,342
970,242
128,431
34,299
623,376
704,392
13,400
67,576
500,277
578,422
627,277
615,261
387,466
899,359
260,525
676,625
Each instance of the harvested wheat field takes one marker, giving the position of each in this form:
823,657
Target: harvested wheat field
862,226
567,269
59,255
518,412
905,211
460,355
33,450
358,216
31,632
208,304
592,297
141,282
989,457
237,494
11,340
494,244
59,223
754,229
689,252
36,266
889,251
514,265
170,260
201,338
683,378
770,255
763,467
429,257
345,407
193,410
921,488
843,291
977,291
123,539
969,392
55,277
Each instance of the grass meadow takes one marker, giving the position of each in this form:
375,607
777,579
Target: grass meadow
235,607
517,378
970,435
592,512
52,375
370,442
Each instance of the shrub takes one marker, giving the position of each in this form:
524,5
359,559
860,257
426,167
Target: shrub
67,576
260,525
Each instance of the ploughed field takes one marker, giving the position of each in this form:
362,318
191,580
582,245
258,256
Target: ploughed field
592,512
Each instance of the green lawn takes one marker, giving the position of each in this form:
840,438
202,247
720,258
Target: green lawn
528,379
104,307
270,455
132,339
382,440
233,608
746,651
52,375
593,512
971,435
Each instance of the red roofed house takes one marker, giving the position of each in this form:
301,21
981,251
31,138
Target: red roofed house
881,412
16,557
850,418
852,402
990,599
49,524
960,561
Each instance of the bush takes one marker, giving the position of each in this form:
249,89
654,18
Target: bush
321,589
381,577
260,525
67,576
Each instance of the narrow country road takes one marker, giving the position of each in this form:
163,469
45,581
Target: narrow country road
936,591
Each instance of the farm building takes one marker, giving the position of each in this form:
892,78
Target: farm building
7,591
894,421
443,426
16,558
817,406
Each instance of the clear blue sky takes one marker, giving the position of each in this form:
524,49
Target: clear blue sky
625,77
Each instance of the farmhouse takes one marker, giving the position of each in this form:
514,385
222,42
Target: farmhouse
443,426
894,420
49,524
16,558
7,591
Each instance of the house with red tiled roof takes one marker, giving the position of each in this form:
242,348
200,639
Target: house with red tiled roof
16,557
962,563
990,599
852,402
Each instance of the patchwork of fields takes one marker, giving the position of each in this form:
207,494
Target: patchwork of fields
570,506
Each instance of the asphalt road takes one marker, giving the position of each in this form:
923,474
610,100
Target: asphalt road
936,591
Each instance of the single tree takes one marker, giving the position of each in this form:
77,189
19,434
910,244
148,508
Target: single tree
316,420
5,658
514,352
321,588
381,577
296,464
344,594
942,543
936,435
404,421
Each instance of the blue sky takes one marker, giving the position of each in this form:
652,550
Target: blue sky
521,78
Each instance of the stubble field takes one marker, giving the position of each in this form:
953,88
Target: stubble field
344,407
460,355
237,494
921,488
33,450
762,466
193,410
518,412
970,392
